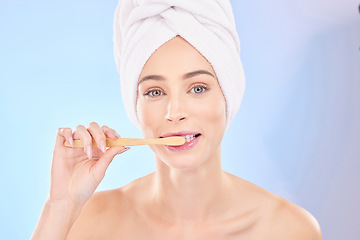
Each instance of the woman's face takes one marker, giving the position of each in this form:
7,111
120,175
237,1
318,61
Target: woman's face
179,95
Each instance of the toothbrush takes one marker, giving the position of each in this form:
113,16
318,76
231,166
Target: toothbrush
172,141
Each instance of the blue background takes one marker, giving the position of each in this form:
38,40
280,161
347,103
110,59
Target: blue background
296,134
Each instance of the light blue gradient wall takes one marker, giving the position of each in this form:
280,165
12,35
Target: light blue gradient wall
296,134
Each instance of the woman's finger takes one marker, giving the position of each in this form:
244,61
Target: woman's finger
82,133
109,132
99,136
66,133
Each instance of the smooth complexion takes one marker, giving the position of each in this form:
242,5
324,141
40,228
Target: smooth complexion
187,183
189,196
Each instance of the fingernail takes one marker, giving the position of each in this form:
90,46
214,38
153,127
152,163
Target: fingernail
117,135
103,146
88,151
71,142
122,151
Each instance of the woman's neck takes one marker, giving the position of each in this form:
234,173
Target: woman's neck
191,195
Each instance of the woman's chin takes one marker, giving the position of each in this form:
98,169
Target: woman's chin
183,160
183,163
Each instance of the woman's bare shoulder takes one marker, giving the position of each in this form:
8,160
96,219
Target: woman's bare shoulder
290,221
101,211
114,199
277,217
91,222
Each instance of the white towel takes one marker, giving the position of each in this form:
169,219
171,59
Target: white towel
142,26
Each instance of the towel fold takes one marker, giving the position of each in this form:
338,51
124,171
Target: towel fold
142,26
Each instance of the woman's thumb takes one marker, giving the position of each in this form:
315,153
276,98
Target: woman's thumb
105,160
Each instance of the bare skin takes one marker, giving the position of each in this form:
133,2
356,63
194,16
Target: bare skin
189,196
126,213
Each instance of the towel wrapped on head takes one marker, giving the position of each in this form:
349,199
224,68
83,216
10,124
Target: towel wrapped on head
142,26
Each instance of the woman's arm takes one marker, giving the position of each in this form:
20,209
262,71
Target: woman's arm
56,220
75,175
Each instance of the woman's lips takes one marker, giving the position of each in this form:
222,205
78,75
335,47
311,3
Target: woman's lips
191,141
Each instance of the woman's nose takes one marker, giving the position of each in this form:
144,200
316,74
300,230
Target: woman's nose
175,110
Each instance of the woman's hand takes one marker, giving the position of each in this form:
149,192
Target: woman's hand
76,172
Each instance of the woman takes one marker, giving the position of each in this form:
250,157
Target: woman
178,92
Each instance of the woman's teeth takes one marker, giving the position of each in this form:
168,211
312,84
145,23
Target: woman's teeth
189,138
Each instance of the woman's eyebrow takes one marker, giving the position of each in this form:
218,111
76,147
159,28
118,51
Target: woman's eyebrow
195,73
185,76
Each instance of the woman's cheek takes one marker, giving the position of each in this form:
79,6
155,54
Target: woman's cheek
212,109
149,114
143,116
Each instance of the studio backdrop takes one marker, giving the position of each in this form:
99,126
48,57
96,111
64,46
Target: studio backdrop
297,132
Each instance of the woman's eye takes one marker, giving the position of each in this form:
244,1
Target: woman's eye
154,93
199,89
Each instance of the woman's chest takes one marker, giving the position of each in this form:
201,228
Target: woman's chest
151,230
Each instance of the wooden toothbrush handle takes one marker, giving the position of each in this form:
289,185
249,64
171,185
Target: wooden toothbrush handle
173,141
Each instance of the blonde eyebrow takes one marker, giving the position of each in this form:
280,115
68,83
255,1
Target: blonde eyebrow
185,76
